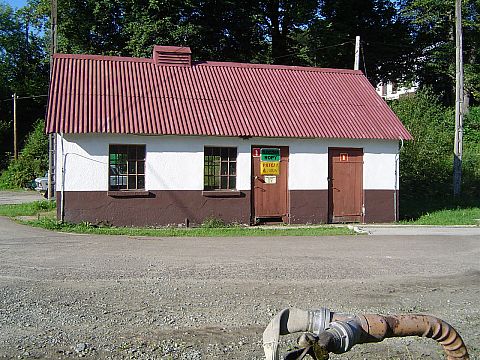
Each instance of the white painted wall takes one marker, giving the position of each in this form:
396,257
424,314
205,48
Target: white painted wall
176,163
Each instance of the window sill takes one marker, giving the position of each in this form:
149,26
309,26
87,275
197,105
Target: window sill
129,193
222,193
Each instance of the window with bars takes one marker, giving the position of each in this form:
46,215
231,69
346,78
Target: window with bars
126,167
220,168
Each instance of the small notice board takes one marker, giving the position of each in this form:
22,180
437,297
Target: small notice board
270,154
269,168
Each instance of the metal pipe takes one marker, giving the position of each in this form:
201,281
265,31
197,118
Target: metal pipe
338,333
395,201
63,162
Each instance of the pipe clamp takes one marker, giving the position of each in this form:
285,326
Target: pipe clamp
319,320
344,334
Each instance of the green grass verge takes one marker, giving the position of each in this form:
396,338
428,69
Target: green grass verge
467,216
232,231
43,217
28,209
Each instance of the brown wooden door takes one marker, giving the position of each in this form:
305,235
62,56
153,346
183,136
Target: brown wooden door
270,192
345,186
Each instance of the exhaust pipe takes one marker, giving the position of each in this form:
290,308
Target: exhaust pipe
327,331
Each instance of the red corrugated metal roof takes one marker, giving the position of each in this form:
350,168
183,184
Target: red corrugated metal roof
102,94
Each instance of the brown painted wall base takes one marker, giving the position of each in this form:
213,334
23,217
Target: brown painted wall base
309,206
176,207
379,206
154,208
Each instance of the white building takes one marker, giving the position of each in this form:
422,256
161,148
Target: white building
164,141
392,91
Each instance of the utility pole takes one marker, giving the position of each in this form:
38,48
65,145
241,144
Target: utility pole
51,137
458,145
15,150
356,64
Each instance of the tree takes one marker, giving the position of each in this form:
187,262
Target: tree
283,20
23,70
32,162
434,30
225,30
148,23
425,162
386,41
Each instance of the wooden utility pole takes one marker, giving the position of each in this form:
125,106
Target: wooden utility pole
15,149
51,137
356,64
53,28
458,144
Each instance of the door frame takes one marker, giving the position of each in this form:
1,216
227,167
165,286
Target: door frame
329,178
286,217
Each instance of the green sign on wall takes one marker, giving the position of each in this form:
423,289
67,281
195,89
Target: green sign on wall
269,154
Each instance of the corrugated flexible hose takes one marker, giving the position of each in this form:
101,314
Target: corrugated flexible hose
338,333
378,327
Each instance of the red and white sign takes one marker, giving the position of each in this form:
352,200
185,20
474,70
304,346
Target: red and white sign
256,152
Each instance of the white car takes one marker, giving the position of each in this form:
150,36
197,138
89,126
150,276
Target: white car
41,184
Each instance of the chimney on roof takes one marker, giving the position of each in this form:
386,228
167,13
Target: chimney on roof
172,55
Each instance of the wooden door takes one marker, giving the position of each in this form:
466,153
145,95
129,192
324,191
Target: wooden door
270,192
345,185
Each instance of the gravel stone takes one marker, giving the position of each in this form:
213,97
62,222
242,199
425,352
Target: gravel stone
64,296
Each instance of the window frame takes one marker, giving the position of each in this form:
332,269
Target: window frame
123,157
225,159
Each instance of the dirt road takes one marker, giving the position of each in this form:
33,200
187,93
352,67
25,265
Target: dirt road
20,196
65,296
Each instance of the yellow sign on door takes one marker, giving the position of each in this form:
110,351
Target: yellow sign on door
269,168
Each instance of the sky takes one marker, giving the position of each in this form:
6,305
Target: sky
16,3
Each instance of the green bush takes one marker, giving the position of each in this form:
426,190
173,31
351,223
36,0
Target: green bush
31,163
471,126
471,156
426,163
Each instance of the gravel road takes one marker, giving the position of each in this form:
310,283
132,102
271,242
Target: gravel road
69,296
20,196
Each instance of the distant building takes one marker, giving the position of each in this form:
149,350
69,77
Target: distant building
391,90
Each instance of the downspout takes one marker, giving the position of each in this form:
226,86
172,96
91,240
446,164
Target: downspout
62,200
397,160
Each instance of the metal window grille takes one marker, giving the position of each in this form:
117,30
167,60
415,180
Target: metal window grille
220,168
126,167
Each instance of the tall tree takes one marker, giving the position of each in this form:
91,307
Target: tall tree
385,35
434,29
226,30
90,26
155,22
283,21
23,70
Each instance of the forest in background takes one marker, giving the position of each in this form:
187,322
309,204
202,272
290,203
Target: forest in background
403,41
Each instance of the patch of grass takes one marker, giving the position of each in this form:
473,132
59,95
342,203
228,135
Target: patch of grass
212,222
44,217
28,209
460,216
86,228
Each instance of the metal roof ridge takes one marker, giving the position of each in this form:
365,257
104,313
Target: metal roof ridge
225,64
275,66
102,58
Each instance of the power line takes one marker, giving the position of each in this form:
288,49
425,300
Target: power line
320,48
26,97
31,97
392,45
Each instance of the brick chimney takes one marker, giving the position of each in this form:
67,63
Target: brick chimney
172,55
